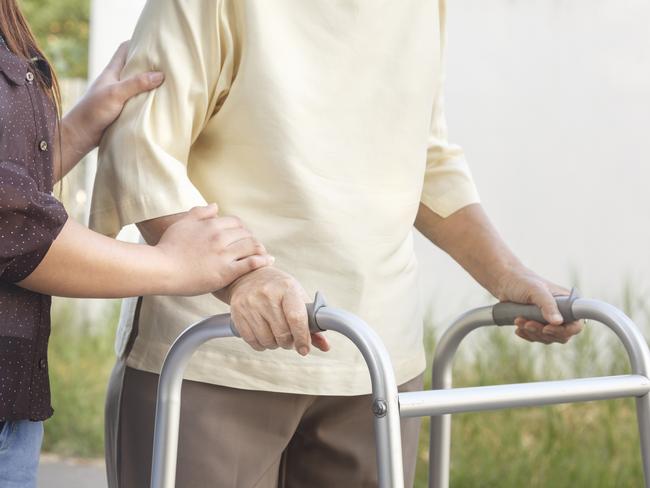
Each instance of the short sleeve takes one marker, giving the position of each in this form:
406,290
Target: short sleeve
448,184
143,158
30,220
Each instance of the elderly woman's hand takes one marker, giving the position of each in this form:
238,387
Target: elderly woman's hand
268,310
524,286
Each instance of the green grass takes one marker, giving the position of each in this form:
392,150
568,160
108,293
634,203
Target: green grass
581,445
80,357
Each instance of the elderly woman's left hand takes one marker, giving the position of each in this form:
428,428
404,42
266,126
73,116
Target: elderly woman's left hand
105,99
524,286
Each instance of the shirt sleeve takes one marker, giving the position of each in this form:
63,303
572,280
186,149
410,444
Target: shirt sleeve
30,220
448,184
143,158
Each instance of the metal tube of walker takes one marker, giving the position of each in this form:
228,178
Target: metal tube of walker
572,308
385,395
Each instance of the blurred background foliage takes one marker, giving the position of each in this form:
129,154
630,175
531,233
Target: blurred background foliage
61,28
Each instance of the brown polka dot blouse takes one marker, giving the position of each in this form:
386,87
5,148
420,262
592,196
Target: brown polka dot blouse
30,219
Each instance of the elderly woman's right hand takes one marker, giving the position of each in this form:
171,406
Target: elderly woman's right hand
268,310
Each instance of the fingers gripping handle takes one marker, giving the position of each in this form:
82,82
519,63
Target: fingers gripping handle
312,309
505,313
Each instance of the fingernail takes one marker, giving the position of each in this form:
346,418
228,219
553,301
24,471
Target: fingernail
156,77
530,328
556,317
304,350
271,259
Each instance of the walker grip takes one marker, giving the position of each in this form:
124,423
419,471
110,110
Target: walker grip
312,309
505,313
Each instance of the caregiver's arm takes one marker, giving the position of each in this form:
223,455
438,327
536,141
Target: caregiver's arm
82,128
267,305
469,237
198,254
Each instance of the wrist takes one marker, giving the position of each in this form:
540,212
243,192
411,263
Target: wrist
502,278
227,292
164,276
77,133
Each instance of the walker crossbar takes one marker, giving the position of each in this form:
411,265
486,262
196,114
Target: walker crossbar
439,403
460,400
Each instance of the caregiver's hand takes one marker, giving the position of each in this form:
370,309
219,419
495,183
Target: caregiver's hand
524,286
197,253
268,310
84,125
206,253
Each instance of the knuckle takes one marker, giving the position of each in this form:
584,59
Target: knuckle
250,264
269,290
295,318
284,339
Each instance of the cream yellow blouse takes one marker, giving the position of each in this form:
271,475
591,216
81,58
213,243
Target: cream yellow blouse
319,123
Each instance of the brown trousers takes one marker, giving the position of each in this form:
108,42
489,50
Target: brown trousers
233,438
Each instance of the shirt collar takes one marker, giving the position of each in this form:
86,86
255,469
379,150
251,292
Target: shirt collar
14,67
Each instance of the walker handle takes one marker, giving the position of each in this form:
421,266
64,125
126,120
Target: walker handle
505,313
312,308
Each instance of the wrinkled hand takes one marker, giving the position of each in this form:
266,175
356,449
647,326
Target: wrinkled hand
106,97
268,309
524,286
206,253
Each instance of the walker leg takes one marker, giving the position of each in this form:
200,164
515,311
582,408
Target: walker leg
643,418
389,448
439,455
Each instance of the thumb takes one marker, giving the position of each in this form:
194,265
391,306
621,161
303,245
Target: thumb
543,298
137,84
206,212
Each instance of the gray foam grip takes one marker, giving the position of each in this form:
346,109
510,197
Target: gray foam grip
505,313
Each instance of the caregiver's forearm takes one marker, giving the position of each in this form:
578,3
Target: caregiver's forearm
84,264
471,239
73,147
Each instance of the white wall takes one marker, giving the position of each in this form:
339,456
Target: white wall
111,22
551,101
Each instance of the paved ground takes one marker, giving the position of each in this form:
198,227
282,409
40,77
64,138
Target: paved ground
55,472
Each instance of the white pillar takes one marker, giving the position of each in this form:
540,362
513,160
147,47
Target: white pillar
111,23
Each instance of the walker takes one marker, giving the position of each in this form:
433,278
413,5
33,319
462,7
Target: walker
440,402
